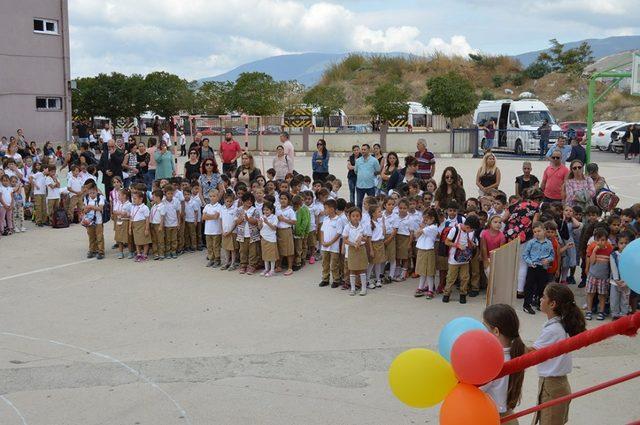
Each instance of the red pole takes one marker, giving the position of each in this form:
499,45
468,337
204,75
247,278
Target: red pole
568,397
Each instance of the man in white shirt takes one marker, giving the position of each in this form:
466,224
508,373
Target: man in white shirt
166,138
289,151
105,133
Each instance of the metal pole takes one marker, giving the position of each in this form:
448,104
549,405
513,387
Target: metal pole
590,105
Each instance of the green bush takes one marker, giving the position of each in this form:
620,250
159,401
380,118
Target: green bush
498,80
487,95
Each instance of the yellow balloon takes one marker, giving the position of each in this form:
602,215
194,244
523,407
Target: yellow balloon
421,378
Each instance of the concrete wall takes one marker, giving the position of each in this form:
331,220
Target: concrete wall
32,65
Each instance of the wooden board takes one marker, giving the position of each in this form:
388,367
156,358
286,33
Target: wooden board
503,274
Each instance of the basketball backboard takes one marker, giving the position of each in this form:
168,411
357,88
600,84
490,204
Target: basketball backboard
635,73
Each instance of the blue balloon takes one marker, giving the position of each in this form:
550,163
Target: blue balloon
629,265
453,330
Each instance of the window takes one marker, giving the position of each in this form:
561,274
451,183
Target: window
49,103
45,26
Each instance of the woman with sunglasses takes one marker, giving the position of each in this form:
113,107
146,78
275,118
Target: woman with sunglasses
209,178
578,189
192,166
320,161
450,188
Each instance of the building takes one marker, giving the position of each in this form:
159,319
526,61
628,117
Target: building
35,87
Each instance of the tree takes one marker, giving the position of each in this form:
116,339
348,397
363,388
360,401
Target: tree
86,98
537,69
256,93
212,97
167,94
327,98
292,93
569,60
388,101
450,95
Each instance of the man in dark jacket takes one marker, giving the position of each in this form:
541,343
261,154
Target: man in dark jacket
577,151
111,165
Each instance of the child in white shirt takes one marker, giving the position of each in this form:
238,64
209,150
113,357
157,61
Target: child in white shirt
172,213
211,215
268,224
191,211
139,226
156,220
228,218
427,235
53,192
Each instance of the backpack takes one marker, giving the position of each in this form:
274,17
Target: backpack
106,209
60,219
443,249
606,199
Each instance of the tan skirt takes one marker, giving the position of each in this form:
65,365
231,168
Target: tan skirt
550,388
378,254
229,242
426,262
357,260
138,233
402,247
269,250
390,251
122,231
285,242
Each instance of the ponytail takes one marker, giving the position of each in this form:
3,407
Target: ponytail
571,316
514,392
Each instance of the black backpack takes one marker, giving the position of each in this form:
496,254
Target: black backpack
60,219
106,209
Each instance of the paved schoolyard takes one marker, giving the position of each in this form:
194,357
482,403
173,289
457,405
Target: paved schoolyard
116,342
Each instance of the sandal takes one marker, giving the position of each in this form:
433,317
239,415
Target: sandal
600,316
588,316
288,272
419,293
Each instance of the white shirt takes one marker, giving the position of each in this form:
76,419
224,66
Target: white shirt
353,233
6,192
125,136
259,206
416,218
365,222
97,201
213,226
171,211
404,225
289,152
330,228
166,138
52,193
197,204
462,238
123,208
289,214
75,184
106,135
191,209
246,229
39,186
139,212
312,213
228,216
266,232
183,140
427,238
157,212
552,332
390,222
319,208
498,390
377,233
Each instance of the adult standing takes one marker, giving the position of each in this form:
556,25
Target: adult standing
378,154
289,151
165,167
83,131
578,189
627,140
426,160
156,127
12,151
489,134
192,166
577,151
562,146
183,144
401,178
544,132
320,161
209,178
519,219
488,175
635,145
280,163
151,172
206,151
166,137
450,189
366,169
22,143
197,140
389,169
599,182
143,158
111,165
130,165
247,172
105,133
553,178
230,151
351,174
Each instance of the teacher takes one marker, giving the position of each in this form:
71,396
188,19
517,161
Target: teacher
366,169
320,161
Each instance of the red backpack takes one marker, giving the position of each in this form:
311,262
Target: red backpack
443,249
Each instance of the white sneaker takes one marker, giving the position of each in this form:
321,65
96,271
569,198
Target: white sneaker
23,229
363,291
352,292
17,230
378,284
371,285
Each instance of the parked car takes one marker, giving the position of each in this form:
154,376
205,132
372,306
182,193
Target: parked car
608,137
209,131
578,128
272,129
353,129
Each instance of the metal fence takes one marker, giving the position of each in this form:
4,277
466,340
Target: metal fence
507,141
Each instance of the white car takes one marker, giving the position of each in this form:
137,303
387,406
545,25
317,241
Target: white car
607,137
599,124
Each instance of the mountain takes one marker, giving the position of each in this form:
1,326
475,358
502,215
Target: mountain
601,47
307,68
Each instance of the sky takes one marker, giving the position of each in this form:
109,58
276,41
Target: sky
202,38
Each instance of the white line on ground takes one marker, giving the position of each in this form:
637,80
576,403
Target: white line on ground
183,413
45,269
15,409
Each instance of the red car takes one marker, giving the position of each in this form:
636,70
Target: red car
579,127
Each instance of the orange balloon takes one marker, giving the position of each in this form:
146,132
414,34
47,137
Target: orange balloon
467,404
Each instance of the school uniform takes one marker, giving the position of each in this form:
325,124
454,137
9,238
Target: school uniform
39,190
269,239
156,226
191,211
248,236
94,228
75,198
344,264
180,229
553,381
378,255
403,237
390,224
442,261
121,223
285,233
213,231
357,260
197,204
172,210
139,216
458,269
498,390
311,239
331,227
426,254
228,217
53,196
